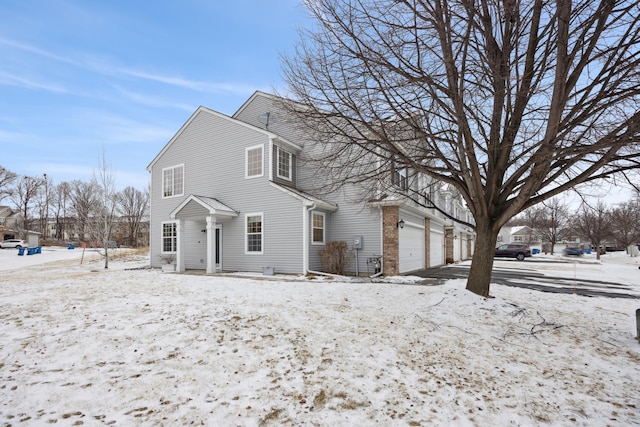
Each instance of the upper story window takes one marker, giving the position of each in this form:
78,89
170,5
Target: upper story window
254,161
400,177
284,164
173,181
317,227
254,233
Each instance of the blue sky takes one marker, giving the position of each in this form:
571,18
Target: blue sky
77,77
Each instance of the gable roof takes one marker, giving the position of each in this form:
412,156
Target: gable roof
213,206
206,110
248,102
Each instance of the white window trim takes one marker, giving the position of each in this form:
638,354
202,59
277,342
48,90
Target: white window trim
290,177
324,228
162,237
246,234
246,161
183,180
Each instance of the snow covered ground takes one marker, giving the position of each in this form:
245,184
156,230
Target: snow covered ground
80,345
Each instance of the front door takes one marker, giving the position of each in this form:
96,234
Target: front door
218,244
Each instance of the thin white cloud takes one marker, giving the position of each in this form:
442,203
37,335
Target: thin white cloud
152,101
102,66
201,86
7,79
33,49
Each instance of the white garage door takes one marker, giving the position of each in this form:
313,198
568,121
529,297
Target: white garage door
411,247
436,248
457,245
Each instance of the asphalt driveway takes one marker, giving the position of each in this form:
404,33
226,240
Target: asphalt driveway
522,275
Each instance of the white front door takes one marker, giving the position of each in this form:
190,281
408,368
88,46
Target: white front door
218,247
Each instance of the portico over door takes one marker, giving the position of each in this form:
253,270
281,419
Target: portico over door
211,211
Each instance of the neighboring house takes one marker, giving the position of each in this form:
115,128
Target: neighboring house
10,221
520,234
229,193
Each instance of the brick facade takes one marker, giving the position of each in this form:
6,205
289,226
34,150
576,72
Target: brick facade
390,250
448,246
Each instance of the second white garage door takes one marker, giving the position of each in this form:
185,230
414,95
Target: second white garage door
411,248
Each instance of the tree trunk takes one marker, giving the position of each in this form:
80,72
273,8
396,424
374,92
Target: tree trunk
479,278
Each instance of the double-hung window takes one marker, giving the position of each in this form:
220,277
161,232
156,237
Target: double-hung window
253,161
169,237
173,181
400,176
317,228
284,164
255,233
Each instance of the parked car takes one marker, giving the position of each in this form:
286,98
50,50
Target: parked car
513,250
13,243
571,250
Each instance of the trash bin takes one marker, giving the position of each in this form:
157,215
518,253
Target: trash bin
71,246
31,251
587,251
535,251
21,251
38,249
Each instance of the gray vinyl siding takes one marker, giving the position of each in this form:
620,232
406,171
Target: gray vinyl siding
212,149
353,217
260,104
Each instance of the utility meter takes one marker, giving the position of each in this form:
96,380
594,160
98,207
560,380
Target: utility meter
357,242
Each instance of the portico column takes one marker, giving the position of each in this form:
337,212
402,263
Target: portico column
180,245
211,244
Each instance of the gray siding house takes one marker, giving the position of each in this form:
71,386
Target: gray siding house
230,193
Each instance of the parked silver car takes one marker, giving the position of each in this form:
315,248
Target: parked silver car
13,243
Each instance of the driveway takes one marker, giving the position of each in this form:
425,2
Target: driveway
527,274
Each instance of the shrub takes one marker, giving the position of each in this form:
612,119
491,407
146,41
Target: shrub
336,257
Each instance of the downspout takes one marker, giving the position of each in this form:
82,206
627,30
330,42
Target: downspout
306,209
381,245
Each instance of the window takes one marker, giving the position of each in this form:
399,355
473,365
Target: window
173,181
284,164
517,238
254,233
169,237
400,176
254,161
317,228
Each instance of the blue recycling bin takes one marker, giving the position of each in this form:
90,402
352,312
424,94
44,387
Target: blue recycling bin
21,251
588,251
71,246
38,249
535,251
31,251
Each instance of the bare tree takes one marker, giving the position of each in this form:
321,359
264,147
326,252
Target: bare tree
510,102
552,220
24,196
594,224
626,224
104,208
6,180
60,207
133,206
83,198
43,203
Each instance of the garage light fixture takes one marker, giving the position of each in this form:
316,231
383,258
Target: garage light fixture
401,223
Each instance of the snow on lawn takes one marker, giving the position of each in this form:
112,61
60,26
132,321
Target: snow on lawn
81,345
